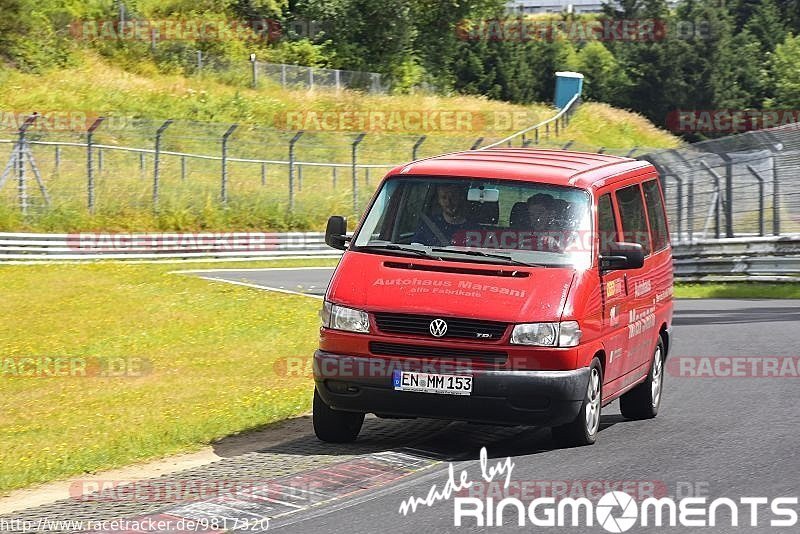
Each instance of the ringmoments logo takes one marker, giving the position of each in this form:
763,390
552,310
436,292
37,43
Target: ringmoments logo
615,511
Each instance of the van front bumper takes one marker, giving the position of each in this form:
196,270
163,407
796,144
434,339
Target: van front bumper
509,397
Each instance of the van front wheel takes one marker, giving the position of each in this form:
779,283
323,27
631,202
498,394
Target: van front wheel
583,430
335,426
643,401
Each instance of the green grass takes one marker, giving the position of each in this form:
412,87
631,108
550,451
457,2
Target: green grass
210,350
213,356
738,290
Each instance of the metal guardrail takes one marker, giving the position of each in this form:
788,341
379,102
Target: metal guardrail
774,259
161,246
561,119
769,259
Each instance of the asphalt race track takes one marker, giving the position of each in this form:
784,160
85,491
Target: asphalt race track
715,437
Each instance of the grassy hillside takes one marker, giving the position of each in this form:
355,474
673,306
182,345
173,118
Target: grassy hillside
203,108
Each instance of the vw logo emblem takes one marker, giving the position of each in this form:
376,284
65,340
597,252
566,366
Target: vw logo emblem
438,327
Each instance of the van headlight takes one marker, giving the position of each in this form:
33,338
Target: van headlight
564,334
342,318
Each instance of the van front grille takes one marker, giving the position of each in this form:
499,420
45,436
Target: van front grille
420,325
421,351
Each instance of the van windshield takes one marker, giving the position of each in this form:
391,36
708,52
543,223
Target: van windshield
491,221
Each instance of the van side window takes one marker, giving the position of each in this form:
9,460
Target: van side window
633,218
655,212
606,224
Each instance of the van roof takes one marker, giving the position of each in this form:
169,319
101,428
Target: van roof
559,167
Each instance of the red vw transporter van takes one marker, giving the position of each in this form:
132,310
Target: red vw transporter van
504,286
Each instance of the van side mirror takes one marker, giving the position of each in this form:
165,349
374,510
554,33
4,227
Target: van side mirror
335,232
622,256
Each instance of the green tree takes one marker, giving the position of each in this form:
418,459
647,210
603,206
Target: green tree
368,35
28,36
786,72
439,36
11,22
790,13
766,25
605,77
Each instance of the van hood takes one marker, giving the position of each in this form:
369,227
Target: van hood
494,292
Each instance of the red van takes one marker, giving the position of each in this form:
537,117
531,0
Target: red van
505,286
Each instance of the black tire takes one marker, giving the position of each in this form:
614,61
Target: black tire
584,428
643,401
335,426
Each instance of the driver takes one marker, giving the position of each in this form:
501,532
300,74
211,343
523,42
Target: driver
542,211
447,226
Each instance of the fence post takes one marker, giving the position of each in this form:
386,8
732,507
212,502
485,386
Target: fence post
141,164
299,177
90,164
156,158
224,188
678,200
283,75
199,62
291,168
728,195
760,199
310,78
665,172
338,78
263,174
255,70
776,198
356,142
58,159
690,210
716,197
22,186
416,147
775,147
334,177
568,145
477,143
99,160
183,168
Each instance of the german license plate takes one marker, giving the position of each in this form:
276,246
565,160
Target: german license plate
432,383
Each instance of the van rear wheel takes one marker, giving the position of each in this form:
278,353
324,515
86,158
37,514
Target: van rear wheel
583,430
335,426
643,401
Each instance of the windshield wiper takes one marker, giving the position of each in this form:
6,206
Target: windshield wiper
398,248
482,254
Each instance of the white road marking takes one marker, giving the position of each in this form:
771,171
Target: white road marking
258,286
257,269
